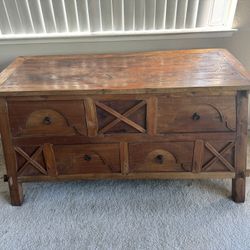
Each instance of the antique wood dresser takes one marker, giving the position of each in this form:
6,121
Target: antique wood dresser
154,115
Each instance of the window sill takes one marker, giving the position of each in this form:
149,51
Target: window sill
115,36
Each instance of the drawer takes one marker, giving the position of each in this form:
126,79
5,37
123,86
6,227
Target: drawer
87,158
161,156
198,114
47,118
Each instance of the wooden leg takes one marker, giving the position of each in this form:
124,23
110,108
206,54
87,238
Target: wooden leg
239,189
239,183
16,192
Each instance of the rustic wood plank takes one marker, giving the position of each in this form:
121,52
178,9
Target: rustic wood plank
179,94
152,115
30,160
132,176
143,72
239,183
15,187
7,72
198,156
124,158
50,160
91,119
125,138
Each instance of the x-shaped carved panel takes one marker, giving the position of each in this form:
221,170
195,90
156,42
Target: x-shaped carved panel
121,117
218,156
31,160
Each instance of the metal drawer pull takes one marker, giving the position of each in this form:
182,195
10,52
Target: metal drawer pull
159,159
47,120
196,117
87,157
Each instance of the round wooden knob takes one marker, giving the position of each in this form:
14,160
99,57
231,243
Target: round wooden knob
196,117
87,157
47,120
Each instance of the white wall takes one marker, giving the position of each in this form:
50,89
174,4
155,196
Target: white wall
239,44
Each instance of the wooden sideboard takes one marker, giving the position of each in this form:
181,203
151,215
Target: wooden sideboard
152,115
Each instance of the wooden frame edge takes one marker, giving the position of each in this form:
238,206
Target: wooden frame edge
132,176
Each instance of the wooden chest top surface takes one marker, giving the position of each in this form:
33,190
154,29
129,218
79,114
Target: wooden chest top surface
144,72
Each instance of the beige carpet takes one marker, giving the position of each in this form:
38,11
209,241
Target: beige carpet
125,215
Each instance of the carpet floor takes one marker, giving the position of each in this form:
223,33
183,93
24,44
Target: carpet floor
125,215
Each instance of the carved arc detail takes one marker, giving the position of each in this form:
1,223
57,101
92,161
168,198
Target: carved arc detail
60,118
222,117
100,157
162,157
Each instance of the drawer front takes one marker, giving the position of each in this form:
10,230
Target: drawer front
47,118
88,158
161,156
198,114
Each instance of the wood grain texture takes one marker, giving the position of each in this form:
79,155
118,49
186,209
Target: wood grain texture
147,115
125,138
128,113
91,118
50,160
152,109
197,114
239,183
43,118
15,187
124,158
121,117
144,72
132,176
198,156
219,155
31,160
7,72
160,157
118,96
87,158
